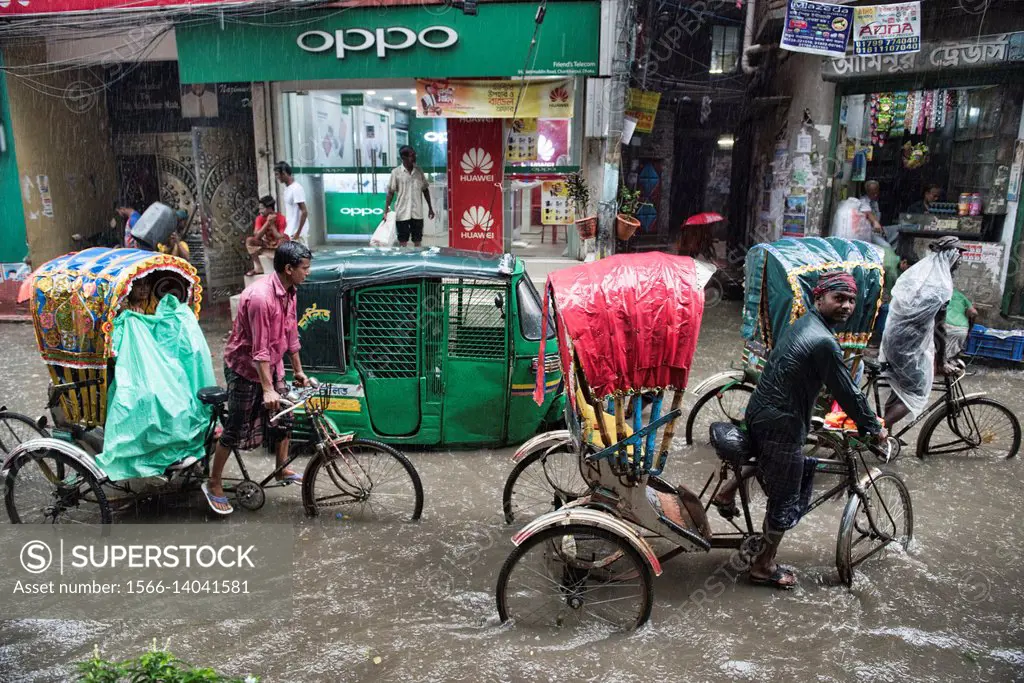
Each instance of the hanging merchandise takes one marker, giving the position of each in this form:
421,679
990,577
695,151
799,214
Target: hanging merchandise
873,116
915,156
962,101
885,109
940,109
919,111
899,113
908,117
860,166
929,116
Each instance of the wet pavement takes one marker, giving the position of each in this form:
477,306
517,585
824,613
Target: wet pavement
419,599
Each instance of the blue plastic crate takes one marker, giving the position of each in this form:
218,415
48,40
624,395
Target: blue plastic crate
980,342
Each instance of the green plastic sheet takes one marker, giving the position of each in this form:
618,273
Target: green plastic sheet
153,416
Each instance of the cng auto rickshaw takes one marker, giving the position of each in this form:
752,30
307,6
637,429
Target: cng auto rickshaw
428,347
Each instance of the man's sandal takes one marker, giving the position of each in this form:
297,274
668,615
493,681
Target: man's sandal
213,501
727,510
776,580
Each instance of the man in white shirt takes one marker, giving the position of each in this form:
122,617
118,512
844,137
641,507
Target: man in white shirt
199,103
869,208
406,185
293,201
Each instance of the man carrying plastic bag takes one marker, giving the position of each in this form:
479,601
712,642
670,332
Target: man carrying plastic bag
915,331
153,416
386,233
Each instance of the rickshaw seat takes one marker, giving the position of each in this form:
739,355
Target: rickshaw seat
212,396
731,444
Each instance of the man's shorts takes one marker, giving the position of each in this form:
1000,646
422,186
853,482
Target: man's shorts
413,227
247,422
786,474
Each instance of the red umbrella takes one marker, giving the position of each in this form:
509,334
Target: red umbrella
704,218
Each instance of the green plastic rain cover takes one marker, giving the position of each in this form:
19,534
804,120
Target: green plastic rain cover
153,416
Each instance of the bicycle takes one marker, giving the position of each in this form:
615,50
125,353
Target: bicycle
350,476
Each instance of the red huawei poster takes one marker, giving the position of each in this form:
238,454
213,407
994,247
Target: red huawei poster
30,7
474,184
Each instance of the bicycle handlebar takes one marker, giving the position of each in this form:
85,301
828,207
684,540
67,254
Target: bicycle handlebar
297,399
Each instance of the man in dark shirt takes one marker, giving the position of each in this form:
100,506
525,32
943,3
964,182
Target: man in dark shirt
806,357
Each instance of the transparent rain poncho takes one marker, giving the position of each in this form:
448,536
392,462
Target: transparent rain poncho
908,342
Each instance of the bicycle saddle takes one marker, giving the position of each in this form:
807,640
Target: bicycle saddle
731,444
212,396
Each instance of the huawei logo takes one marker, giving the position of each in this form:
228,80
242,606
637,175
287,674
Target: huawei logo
477,161
477,218
559,95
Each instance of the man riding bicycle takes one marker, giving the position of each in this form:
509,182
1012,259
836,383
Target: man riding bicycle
806,358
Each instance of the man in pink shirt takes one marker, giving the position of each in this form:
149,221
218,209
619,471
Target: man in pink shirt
264,331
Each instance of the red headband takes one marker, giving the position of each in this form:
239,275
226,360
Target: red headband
837,281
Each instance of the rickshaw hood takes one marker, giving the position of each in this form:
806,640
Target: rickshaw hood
353,268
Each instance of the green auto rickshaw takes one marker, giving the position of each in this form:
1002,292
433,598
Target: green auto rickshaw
428,347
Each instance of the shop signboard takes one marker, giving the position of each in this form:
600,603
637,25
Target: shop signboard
817,28
521,142
973,53
353,213
474,184
887,29
395,42
642,107
513,99
556,209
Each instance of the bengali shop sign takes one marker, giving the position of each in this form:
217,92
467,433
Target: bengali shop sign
887,29
817,28
449,98
474,184
642,107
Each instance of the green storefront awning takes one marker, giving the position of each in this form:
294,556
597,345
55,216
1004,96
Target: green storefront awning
397,42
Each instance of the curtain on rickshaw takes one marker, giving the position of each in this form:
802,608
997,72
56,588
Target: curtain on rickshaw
631,321
781,275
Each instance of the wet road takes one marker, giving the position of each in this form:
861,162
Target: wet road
420,597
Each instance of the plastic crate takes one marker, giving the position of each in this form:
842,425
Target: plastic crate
982,342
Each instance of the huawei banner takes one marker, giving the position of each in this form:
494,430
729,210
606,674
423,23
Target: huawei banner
474,184
543,99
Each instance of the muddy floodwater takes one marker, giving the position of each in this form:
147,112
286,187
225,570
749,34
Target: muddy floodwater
416,602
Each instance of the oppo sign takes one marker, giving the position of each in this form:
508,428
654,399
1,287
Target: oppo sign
383,39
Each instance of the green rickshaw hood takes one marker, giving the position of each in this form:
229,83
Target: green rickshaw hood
370,265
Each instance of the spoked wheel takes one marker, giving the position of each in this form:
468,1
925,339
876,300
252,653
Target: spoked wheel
49,487
574,575
725,403
979,427
363,480
543,481
16,429
889,502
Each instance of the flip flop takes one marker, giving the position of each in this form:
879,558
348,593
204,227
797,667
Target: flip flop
211,499
293,477
727,510
776,579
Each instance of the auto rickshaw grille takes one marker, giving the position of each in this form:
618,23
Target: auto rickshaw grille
387,323
476,323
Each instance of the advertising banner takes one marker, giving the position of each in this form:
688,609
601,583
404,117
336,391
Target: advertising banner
555,206
30,7
474,185
816,28
521,141
549,99
887,29
353,213
642,107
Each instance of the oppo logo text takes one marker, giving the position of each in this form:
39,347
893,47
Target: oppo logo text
383,39
361,212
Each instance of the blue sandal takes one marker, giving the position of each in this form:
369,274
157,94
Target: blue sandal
213,501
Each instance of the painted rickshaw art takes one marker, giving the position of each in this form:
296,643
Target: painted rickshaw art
75,300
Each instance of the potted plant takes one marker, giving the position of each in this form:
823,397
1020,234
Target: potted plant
579,195
626,223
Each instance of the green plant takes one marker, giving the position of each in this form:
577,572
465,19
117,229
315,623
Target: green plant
158,665
629,201
579,193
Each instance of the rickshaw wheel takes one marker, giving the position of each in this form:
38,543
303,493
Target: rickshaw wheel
717,406
543,481
16,429
574,575
47,486
249,495
857,541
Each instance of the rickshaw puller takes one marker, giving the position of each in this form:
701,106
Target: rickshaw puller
806,357
264,331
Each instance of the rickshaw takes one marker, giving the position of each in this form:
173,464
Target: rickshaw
778,282
628,326
428,347
134,408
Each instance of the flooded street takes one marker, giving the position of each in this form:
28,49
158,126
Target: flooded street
416,602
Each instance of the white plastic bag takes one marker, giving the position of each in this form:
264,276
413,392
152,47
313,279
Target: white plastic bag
386,233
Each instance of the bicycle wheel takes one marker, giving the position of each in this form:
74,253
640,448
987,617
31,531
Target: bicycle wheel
574,575
543,481
979,426
47,486
725,403
16,429
889,502
363,480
